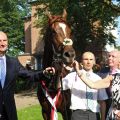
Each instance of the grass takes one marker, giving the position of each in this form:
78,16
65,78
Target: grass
32,113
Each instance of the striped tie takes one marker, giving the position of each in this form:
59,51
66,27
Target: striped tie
89,95
2,72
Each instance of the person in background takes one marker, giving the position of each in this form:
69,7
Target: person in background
84,101
112,68
10,70
113,84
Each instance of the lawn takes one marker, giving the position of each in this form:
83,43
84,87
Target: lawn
32,113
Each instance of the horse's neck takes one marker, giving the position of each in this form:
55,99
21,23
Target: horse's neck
48,52
64,72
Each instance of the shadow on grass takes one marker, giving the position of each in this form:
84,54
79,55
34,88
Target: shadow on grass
30,93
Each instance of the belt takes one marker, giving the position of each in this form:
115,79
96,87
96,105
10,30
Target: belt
84,110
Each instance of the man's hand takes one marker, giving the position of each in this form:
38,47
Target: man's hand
76,66
49,71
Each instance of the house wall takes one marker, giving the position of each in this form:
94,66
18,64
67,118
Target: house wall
35,32
27,59
34,45
27,31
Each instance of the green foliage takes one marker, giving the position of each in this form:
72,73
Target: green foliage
32,113
118,47
11,22
23,84
81,16
20,85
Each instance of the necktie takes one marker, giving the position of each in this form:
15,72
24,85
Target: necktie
89,95
2,71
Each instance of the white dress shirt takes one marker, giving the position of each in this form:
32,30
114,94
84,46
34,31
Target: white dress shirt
3,77
79,89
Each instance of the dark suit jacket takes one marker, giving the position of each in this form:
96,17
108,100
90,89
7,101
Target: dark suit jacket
13,70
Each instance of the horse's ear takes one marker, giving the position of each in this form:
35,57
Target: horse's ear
64,15
48,14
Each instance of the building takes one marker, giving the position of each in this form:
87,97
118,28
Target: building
34,45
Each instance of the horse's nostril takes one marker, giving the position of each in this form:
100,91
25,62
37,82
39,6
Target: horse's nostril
69,54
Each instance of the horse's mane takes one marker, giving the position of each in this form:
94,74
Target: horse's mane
48,52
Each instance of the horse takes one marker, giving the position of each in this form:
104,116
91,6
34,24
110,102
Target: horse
59,53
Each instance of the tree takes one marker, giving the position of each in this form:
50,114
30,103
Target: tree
118,47
11,22
91,21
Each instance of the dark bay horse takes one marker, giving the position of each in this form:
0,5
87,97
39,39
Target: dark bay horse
59,53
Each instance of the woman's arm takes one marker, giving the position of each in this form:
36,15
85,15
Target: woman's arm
103,83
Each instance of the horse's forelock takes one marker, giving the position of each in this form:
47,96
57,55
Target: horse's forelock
56,19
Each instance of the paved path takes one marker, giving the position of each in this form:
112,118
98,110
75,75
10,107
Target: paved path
26,99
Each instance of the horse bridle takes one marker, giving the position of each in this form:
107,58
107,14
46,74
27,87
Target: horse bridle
67,41
57,58
58,54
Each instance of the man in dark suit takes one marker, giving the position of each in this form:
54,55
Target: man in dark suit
10,69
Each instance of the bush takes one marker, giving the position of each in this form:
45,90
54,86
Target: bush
24,84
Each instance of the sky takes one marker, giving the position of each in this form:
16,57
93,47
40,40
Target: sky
116,32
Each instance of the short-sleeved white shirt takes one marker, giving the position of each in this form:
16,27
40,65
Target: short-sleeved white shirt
79,89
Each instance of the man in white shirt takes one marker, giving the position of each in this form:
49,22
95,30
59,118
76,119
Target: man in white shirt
84,101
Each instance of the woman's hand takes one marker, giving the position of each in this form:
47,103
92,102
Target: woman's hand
109,77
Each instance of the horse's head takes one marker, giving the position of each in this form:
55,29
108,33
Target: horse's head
61,38
58,49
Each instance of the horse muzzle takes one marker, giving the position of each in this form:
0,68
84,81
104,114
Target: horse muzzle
69,56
